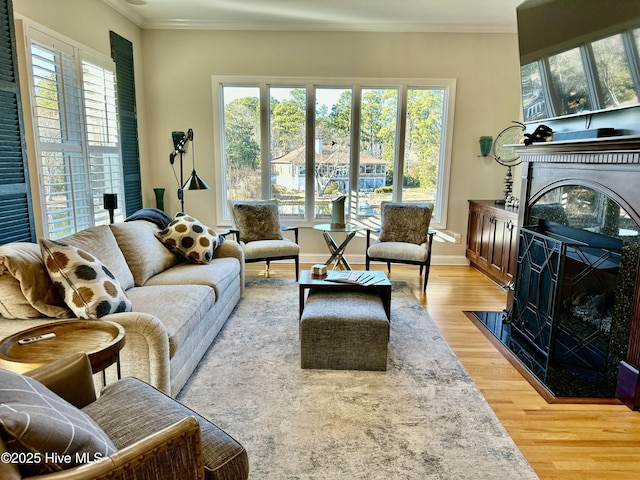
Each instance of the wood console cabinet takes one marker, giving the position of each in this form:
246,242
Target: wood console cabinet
492,232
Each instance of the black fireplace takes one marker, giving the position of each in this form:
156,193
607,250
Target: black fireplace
571,310
573,317
573,306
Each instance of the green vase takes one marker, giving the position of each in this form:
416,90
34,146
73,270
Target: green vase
159,198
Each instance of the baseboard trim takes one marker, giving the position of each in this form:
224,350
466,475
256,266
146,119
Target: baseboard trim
449,260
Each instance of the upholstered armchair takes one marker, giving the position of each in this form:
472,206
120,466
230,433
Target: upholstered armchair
404,237
256,225
132,431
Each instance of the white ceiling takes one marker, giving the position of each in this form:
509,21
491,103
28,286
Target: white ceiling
324,15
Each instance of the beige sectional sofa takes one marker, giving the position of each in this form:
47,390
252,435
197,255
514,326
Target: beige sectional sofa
178,307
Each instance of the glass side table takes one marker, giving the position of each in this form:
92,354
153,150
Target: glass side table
337,251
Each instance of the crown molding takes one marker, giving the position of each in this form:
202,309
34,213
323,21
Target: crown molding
126,11
181,24
132,14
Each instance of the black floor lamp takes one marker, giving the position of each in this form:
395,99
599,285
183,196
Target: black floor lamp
194,182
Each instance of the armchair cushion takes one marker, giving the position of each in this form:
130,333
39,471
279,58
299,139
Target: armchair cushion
86,284
37,422
190,238
399,251
270,248
405,222
256,220
129,410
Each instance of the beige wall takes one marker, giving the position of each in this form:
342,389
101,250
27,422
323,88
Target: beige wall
175,93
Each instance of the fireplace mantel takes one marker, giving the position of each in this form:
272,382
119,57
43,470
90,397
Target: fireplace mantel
609,164
612,150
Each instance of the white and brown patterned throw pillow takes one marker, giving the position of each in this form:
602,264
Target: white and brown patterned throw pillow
190,238
89,289
36,423
405,222
256,220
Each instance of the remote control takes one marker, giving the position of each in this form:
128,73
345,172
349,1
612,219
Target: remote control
37,338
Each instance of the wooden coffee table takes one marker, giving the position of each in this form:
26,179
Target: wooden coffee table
100,340
380,284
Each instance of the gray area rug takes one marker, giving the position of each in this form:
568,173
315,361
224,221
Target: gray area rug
423,418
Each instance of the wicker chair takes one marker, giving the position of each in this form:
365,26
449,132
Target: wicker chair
155,436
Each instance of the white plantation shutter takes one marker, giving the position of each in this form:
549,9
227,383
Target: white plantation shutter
75,116
101,119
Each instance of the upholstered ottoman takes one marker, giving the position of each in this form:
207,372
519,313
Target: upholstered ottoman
344,330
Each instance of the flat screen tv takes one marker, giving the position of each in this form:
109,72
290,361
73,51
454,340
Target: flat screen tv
578,58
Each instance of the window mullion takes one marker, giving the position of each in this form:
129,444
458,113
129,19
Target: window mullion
633,57
310,132
401,137
356,108
265,150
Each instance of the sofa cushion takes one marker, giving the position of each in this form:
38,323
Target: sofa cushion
405,222
36,421
178,307
190,238
218,274
145,254
13,303
256,220
101,243
87,286
26,290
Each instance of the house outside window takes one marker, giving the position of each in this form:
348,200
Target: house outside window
74,107
371,140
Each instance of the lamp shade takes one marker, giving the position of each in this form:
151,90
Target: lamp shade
194,182
110,201
178,139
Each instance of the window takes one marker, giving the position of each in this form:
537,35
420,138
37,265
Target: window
77,134
370,140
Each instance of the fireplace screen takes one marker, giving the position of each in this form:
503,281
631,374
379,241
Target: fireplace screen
573,292
562,324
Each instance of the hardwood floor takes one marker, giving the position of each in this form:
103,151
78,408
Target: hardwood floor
560,441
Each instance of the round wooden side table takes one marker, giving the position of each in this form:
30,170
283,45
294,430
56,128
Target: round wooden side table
100,340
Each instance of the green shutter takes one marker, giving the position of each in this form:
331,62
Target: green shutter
16,210
122,54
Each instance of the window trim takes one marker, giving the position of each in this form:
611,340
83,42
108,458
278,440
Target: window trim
356,83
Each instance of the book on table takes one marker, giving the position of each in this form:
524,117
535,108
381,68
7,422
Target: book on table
355,278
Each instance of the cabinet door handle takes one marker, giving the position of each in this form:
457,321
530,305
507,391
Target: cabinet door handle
510,225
